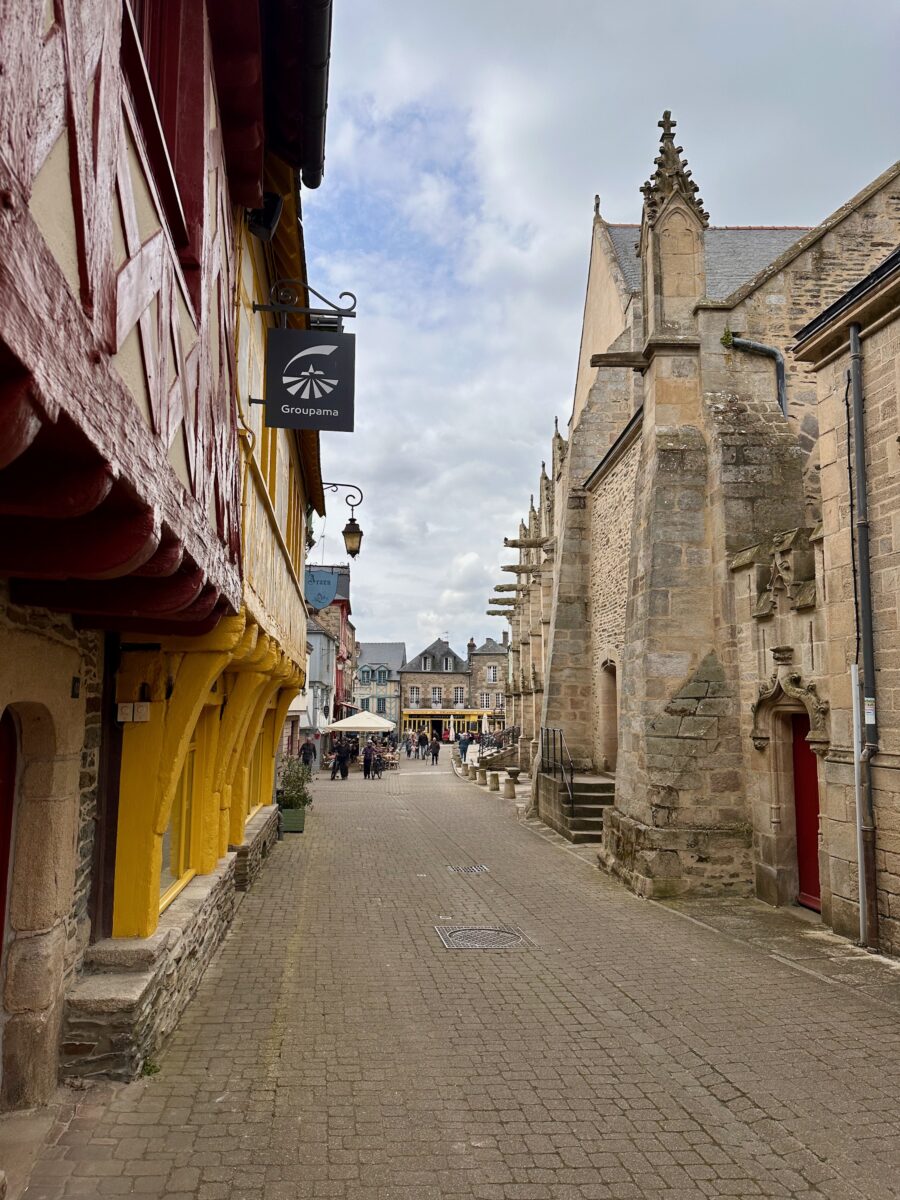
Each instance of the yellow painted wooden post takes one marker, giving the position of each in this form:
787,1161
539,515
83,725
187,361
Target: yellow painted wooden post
153,755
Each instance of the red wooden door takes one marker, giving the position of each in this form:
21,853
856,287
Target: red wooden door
806,809
8,745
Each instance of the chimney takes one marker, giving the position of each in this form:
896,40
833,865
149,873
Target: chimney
471,648
505,638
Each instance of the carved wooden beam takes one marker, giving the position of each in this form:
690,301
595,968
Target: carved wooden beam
103,544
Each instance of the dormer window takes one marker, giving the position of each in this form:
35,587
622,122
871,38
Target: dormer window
364,676
448,663
426,662
382,675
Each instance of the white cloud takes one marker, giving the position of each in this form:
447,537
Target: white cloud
465,144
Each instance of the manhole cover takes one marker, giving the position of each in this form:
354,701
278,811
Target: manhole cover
476,870
490,937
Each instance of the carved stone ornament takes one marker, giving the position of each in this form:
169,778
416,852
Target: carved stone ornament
786,683
671,176
536,683
790,571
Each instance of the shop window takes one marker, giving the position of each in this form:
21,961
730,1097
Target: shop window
179,838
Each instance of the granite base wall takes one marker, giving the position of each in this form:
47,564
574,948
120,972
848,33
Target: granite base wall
133,991
260,835
656,863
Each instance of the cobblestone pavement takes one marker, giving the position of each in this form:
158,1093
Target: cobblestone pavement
337,1049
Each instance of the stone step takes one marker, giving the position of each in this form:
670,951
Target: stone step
599,787
592,809
582,836
585,824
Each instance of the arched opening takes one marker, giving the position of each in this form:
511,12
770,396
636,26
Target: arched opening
608,716
37,829
789,727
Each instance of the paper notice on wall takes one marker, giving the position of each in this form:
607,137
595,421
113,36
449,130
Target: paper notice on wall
869,705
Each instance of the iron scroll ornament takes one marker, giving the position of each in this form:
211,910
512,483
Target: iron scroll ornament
285,296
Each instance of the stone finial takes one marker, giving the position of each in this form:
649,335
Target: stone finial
671,176
596,205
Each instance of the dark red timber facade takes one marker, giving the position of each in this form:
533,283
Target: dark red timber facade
132,136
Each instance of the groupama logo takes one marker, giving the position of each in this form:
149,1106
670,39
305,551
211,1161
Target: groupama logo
310,382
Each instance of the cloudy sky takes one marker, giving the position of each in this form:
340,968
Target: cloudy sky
465,143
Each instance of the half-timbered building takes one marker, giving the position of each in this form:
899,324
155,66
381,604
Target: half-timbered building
148,651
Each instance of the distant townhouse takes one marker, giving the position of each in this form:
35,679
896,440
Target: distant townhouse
443,691
377,680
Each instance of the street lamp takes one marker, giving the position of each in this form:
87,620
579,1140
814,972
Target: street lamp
353,535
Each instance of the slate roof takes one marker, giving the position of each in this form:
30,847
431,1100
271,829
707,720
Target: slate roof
382,654
492,647
732,255
624,239
313,626
436,651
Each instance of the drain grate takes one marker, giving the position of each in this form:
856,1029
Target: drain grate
474,937
479,869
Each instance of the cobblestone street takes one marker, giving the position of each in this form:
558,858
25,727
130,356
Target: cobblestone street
337,1049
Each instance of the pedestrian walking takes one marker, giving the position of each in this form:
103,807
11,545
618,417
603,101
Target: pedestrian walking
435,751
335,760
423,745
368,758
408,745
308,753
463,746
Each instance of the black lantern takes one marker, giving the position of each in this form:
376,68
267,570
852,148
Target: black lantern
353,535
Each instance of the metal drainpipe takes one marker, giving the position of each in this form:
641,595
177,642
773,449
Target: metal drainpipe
730,342
866,634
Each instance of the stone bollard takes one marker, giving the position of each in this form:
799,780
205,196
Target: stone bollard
509,789
493,781
465,770
482,776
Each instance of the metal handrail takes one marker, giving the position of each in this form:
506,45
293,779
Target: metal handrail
557,761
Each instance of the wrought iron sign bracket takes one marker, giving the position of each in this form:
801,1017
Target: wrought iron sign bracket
285,296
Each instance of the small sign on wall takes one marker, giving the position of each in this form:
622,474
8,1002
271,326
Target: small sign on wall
310,379
319,588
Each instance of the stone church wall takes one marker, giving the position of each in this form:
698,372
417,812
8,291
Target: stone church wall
612,513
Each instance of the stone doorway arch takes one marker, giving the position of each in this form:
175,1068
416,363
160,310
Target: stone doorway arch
40,874
785,702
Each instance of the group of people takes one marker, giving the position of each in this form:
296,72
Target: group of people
419,746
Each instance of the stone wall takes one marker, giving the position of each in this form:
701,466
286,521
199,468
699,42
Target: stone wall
132,991
611,514
445,680
41,657
881,388
260,835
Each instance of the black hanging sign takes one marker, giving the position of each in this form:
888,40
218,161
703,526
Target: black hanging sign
309,379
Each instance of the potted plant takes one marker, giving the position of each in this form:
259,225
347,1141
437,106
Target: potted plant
294,796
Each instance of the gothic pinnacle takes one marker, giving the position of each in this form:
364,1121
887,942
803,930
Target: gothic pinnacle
671,175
